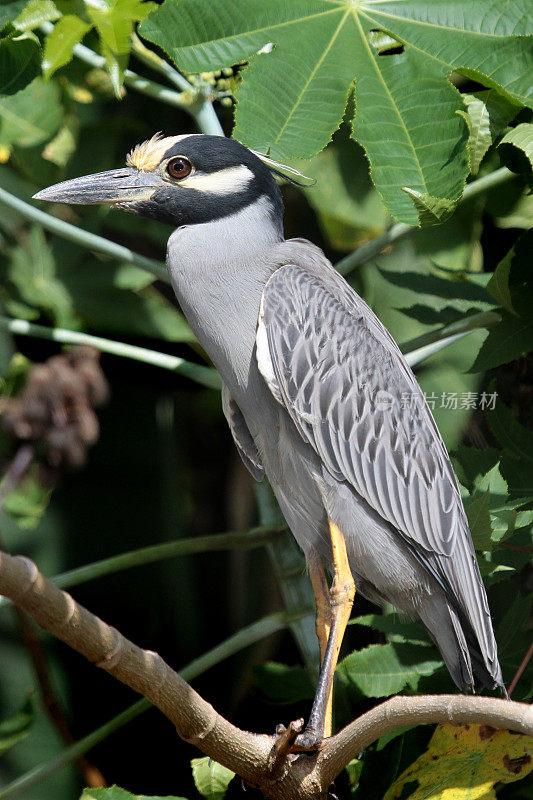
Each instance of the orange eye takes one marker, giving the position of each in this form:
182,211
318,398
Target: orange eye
179,167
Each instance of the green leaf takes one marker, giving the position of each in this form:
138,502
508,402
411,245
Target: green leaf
32,270
349,209
492,483
431,210
464,763
384,740
433,316
354,769
63,145
445,372
463,293
487,114
35,13
512,644
517,440
114,21
336,44
520,215
28,502
17,727
478,513
116,793
474,463
283,684
397,628
111,298
210,778
498,286
509,339
32,116
9,11
59,43
516,149
380,670
20,62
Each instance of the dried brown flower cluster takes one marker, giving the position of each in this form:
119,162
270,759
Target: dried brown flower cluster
55,410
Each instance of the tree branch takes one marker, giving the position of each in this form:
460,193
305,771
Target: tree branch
454,709
255,757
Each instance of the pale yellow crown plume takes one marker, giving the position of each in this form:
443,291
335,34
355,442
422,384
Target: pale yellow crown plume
147,156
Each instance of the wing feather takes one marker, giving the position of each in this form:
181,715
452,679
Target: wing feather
343,380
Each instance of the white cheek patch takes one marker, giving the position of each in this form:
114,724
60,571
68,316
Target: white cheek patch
225,181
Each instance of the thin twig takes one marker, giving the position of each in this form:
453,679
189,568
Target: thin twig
520,669
201,107
521,548
16,470
197,372
143,85
91,774
397,231
212,543
82,237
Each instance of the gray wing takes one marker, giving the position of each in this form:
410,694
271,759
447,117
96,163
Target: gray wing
335,368
241,435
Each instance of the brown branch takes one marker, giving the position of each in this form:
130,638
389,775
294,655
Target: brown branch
255,757
454,709
91,774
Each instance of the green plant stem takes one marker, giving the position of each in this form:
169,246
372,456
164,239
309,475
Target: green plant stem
243,638
131,79
196,372
241,540
369,251
201,107
417,350
84,238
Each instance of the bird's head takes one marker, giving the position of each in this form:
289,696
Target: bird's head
181,180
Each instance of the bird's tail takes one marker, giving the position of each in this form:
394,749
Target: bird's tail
471,668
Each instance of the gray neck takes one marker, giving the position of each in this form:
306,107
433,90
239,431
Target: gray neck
218,271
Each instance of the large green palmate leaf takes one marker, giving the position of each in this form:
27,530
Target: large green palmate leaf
293,98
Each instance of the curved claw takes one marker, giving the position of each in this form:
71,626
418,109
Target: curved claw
308,741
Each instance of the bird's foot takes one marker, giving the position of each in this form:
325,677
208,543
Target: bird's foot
295,739
308,741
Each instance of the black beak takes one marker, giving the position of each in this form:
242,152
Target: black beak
116,186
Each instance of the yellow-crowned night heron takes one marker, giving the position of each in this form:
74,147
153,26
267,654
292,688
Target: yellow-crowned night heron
312,391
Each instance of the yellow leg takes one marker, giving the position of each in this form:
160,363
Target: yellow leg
323,623
341,595
342,589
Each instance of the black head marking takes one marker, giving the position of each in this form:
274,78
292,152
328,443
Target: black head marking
180,205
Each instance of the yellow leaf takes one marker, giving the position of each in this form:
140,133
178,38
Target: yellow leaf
464,762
